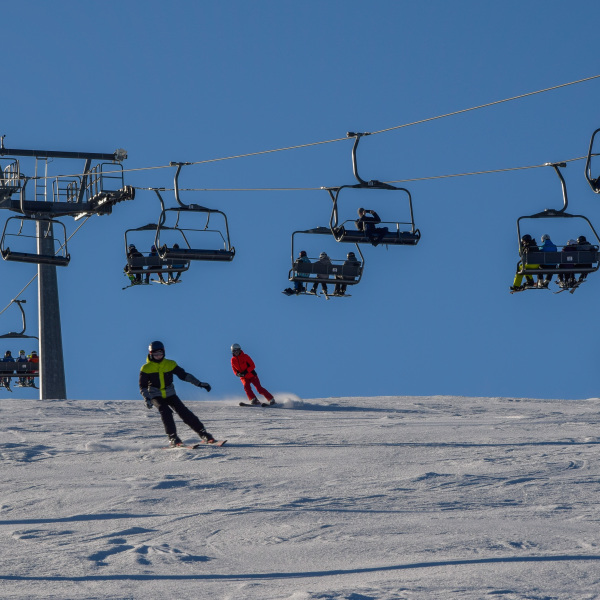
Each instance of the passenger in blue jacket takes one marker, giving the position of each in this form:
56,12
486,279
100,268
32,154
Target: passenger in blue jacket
547,246
7,358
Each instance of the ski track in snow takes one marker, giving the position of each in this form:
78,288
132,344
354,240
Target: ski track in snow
341,498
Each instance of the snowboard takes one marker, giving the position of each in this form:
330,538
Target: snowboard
257,405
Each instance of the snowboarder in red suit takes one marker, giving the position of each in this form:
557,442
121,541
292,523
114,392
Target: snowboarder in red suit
244,368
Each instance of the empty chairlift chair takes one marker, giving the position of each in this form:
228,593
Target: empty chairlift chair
33,240
199,243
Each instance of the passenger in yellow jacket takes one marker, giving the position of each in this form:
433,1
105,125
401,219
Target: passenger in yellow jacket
156,386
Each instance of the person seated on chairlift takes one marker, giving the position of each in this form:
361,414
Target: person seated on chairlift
133,252
547,246
154,252
583,246
366,224
351,261
298,285
567,279
23,381
321,277
527,243
33,358
7,358
173,279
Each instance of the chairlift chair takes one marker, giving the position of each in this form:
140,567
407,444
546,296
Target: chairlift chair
192,250
28,369
147,264
60,257
556,262
400,233
306,272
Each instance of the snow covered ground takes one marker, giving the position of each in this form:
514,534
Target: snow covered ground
337,498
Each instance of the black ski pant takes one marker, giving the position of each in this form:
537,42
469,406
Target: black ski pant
166,406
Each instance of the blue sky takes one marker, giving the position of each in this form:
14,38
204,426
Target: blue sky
193,81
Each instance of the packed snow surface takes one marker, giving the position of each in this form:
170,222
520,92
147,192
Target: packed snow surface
337,498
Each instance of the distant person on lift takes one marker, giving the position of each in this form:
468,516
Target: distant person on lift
244,368
156,386
366,224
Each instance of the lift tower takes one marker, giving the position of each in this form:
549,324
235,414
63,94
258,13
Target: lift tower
95,191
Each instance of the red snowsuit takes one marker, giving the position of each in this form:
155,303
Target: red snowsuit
243,366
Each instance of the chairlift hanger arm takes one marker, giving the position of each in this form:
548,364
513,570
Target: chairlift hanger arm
594,183
556,167
176,182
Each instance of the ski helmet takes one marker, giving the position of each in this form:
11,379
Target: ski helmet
581,239
154,346
21,351
7,353
323,255
34,353
571,243
526,238
235,347
545,237
302,253
351,255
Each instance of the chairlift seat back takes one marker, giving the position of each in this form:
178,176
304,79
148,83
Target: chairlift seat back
302,271
197,254
155,264
560,262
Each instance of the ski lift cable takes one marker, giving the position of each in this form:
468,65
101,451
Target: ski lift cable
432,177
35,276
458,112
249,154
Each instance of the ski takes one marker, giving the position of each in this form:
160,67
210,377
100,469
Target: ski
571,289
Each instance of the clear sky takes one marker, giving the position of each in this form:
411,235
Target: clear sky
192,81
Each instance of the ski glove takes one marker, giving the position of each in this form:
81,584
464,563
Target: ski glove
191,379
147,398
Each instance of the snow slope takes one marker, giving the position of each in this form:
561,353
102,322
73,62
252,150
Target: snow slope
338,498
